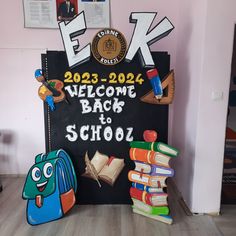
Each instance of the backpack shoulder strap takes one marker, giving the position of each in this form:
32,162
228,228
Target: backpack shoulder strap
40,157
61,154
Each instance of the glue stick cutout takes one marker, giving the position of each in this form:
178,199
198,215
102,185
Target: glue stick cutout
155,81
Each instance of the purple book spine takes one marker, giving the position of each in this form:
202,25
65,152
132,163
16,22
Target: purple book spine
155,171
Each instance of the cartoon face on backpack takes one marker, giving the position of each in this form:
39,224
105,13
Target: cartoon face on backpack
50,187
40,180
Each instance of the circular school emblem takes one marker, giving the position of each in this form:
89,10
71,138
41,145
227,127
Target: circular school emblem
109,46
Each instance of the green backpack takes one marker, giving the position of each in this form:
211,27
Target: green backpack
50,187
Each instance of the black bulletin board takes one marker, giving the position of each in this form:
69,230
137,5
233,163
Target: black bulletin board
136,114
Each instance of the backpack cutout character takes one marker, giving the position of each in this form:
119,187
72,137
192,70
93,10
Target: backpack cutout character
50,187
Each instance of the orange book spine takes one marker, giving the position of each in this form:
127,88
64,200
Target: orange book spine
137,154
140,178
145,179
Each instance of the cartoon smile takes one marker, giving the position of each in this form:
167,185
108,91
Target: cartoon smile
41,186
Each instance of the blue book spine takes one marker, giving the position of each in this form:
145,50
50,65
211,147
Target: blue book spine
142,187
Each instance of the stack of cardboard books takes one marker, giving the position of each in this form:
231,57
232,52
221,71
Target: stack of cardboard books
152,169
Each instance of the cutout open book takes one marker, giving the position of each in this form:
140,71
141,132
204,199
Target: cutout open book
104,168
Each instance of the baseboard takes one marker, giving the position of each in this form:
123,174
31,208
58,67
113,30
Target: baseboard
180,198
12,175
213,214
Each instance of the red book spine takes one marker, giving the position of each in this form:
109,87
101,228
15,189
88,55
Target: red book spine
148,199
141,195
144,196
136,193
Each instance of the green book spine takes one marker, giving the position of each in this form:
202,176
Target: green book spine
152,210
156,147
156,210
160,210
166,149
162,218
140,144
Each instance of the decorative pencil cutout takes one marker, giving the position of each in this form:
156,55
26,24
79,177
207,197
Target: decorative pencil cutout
168,86
155,81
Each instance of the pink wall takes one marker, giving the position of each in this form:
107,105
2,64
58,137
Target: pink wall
183,129
20,37
203,65
21,110
216,69
20,50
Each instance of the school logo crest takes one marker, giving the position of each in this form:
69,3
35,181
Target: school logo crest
109,46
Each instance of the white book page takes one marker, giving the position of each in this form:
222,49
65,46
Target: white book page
113,169
162,171
99,160
40,14
142,167
137,177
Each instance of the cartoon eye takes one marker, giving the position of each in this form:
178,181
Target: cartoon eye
36,174
48,170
